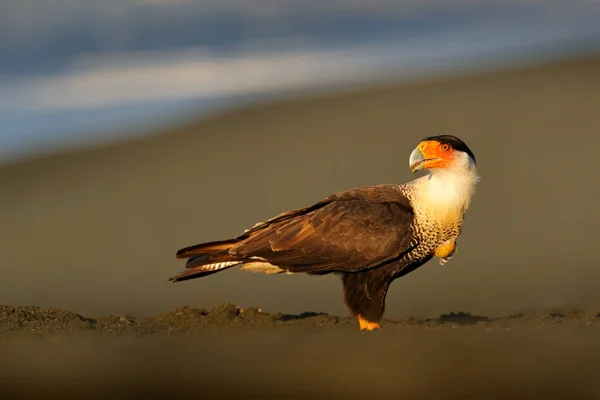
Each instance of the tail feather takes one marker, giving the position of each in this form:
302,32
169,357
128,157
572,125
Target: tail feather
206,259
206,248
203,270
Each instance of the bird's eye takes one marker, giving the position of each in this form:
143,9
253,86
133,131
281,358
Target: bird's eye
445,147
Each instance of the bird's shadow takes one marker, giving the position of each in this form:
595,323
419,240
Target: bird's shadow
298,317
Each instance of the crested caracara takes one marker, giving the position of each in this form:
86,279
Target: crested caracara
369,236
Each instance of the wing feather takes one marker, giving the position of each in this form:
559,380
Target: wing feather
348,231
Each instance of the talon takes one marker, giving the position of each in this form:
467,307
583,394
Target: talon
367,325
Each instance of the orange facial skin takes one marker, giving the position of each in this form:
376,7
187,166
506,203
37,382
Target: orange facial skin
436,154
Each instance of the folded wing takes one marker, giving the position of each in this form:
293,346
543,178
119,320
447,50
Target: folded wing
348,231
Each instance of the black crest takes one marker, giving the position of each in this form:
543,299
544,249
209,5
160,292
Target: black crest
455,142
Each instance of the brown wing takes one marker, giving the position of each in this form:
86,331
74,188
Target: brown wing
348,231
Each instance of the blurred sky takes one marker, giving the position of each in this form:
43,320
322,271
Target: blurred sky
78,70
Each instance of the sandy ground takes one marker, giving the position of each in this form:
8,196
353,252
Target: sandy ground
229,351
95,232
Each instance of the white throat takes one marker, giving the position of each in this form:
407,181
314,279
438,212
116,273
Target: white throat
446,193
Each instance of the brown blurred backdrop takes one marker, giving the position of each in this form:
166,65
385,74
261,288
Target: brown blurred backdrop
96,230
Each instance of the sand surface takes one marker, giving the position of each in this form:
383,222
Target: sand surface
228,352
95,232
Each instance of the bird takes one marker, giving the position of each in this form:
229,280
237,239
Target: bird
369,236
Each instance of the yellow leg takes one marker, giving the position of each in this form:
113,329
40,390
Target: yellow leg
366,325
445,249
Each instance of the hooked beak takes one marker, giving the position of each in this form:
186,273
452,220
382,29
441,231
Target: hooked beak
416,160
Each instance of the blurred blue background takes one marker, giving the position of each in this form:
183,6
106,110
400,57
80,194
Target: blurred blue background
74,72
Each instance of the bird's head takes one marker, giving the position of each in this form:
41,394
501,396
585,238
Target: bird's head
445,152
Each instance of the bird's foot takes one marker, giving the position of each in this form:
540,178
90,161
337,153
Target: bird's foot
446,251
444,260
367,325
